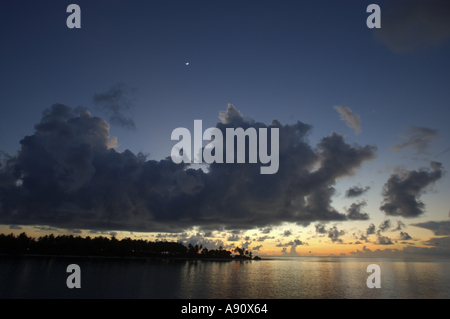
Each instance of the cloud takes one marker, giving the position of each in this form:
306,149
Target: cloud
438,247
385,225
383,240
371,229
402,191
356,191
115,102
352,120
231,116
263,238
367,252
404,236
234,238
440,228
334,234
287,233
417,138
400,225
443,152
440,241
68,175
201,240
320,229
245,245
362,237
355,211
411,25
266,230
295,242
257,248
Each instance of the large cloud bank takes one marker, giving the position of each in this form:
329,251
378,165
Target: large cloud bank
69,175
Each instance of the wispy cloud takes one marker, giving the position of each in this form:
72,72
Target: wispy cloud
116,102
417,138
439,228
352,120
411,25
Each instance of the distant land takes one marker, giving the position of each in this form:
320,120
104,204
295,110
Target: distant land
100,246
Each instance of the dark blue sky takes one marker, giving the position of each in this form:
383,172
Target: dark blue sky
285,60
289,61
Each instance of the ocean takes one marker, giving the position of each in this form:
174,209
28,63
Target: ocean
275,278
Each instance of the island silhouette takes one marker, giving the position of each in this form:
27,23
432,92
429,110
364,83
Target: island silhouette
101,246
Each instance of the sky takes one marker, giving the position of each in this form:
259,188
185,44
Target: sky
87,116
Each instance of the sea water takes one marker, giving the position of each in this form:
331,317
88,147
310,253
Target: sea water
275,278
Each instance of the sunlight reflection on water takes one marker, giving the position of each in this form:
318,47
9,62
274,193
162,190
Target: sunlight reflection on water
287,278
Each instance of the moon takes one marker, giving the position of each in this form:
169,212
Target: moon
187,63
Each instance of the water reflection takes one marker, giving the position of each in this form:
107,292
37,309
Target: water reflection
266,279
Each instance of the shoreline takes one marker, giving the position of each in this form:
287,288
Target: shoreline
130,257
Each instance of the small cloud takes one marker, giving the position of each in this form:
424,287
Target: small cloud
257,248
404,236
356,191
287,233
352,120
409,26
402,191
386,224
383,240
263,238
231,115
234,237
443,152
266,230
320,228
334,234
417,138
75,231
400,225
295,242
371,229
115,102
355,211
362,237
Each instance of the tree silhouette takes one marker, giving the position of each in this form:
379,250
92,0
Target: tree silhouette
104,246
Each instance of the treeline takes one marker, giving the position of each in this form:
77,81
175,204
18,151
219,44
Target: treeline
104,246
